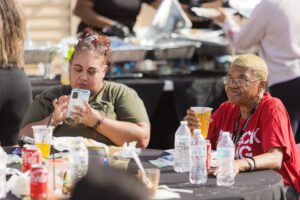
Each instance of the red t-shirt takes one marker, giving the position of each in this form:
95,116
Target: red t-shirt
268,127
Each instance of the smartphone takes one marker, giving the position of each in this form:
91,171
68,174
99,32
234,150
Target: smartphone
78,97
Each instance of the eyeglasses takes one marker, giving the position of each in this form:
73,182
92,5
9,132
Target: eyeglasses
239,82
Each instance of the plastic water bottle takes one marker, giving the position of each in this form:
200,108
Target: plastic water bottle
78,160
198,173
3,161
182,148
225,156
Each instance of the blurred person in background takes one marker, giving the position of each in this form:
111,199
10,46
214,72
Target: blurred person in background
113,17
109,184
118,17
114,113
274,25
200,22
15,88
259,124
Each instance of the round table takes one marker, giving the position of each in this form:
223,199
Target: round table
257,185
264,185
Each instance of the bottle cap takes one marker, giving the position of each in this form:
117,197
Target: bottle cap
183,123
226,133
197,132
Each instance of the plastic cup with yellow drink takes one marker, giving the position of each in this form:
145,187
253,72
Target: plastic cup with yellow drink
43,138
203,114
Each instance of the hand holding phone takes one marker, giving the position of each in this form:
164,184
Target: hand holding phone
78,97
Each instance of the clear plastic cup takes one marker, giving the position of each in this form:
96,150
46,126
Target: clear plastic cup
43,138
56,171
203,114
150,178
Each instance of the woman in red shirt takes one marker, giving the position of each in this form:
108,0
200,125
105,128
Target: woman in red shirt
259,123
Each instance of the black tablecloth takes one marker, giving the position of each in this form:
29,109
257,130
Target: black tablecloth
257,185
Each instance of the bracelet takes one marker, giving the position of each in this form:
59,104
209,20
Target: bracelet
53,122
254,163
98,123
251,167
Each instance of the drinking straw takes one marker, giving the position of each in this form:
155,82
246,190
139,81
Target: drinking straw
53,158
138,161
53,166
49,120
140,166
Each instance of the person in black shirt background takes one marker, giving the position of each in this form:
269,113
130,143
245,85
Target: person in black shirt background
201,22
117,17
15,89
112,17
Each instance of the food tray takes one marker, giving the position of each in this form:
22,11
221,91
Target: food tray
128,54
37,55
175,49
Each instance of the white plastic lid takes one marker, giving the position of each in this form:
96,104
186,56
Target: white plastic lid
183,123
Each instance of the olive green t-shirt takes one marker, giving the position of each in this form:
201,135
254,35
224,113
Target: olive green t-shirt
115,101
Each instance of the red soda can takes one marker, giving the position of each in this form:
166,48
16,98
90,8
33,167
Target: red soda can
38,181
208,154
31,154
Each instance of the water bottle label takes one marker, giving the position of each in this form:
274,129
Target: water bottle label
227,153
203,151
199,152
182,142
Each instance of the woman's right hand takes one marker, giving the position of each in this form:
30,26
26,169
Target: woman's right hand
60,109
193,121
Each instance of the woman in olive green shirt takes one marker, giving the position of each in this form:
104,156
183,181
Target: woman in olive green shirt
114,114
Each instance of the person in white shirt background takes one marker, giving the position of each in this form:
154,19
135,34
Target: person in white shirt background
274,26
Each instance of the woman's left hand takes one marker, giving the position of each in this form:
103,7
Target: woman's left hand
236,168
86,115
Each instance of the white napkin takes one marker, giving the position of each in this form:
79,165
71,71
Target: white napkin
166,194
13,158
18,183
126,151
